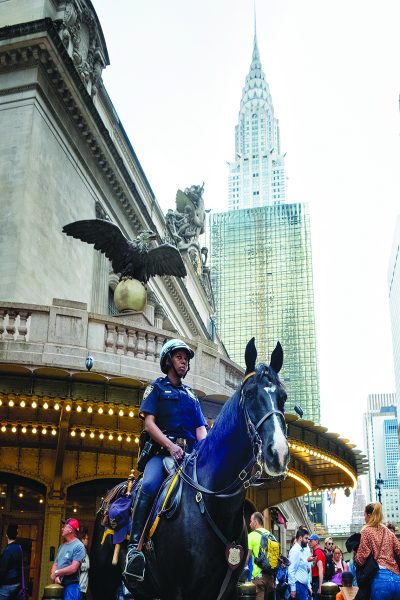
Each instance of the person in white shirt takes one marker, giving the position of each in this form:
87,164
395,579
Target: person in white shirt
299,568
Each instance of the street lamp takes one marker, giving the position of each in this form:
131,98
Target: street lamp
379,483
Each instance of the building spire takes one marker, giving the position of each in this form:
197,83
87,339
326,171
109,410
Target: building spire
256,55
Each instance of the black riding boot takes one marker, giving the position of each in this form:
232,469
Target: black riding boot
135,561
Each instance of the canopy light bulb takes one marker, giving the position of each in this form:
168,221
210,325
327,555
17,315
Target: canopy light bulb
92,434
110,411
11,403
120,438
22,404
23,429
34,404
34,430
44,431
56,406
83,434
73,433
101,436
121,413
90,409
79,408
131,413
54,432
100,410
45,406
128,438
136,440
4,428
14,429
111,437
68,408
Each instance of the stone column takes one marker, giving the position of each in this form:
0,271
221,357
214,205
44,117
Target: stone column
55,511
159,315
100,284
150,306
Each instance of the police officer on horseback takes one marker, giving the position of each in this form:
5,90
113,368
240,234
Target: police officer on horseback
174,421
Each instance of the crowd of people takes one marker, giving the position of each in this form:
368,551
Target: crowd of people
372,573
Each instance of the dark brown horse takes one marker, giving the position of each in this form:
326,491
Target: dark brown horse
200,552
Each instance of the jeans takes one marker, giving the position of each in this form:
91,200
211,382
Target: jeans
9,590
385,586
72,592
301,591
315,586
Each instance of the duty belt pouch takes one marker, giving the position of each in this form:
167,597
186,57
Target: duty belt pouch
147,449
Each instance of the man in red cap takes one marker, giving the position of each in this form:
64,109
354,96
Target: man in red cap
65,569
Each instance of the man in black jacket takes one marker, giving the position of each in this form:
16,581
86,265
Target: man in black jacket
10,565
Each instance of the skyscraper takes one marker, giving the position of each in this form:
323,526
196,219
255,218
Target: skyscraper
380,439
257,176
260,253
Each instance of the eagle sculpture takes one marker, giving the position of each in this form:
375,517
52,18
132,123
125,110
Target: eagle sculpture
131,258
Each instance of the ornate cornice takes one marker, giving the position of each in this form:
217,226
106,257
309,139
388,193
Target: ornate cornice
38,54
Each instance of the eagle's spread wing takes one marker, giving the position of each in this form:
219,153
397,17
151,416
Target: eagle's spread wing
107,238
165,260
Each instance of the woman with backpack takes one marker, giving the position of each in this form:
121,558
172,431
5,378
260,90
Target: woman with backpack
339,566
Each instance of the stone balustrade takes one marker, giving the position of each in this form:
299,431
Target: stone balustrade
64,334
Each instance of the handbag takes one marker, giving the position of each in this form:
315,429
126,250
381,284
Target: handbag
23,592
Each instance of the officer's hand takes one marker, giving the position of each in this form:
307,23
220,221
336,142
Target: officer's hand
176,452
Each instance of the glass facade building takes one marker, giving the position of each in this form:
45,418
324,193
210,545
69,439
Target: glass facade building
261,268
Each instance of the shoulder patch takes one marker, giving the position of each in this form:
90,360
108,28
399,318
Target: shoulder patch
148,391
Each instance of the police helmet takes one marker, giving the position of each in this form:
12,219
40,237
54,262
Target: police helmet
170,347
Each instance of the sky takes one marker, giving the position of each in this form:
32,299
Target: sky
176,73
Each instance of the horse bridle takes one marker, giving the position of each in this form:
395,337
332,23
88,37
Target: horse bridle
242,480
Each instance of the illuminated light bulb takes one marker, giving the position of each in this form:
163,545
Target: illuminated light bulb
83,434
41,500
128,438
44,431
90,409
100,410
34,430
14,429
54,432
111,437
73,433
121,413
34,404
110,411
21,495
79,408
101,436
11,403
4,428
68,408
74,510
92,434
56,406
120,438
131,413
23,429
45,406
1,402
22,404
136,440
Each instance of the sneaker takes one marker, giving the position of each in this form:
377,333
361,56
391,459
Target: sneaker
134,565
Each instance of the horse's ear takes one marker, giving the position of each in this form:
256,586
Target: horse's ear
250,356
277,358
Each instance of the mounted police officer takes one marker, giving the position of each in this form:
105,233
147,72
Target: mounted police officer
174,420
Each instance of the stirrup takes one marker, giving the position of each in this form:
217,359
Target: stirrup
135,564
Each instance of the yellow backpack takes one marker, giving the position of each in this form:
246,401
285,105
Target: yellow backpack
268,553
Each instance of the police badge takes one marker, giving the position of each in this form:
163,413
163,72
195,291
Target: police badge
234,555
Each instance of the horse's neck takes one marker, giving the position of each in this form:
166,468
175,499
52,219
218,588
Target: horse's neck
225,451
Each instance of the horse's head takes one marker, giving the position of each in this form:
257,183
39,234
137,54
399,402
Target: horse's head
263,399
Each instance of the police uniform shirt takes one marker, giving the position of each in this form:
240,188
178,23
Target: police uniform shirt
176,408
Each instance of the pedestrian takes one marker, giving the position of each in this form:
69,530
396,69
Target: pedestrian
340,566
318,568
348,591
377,540
174,421
299,567
11,564
264,582
70,554
329,567
85,565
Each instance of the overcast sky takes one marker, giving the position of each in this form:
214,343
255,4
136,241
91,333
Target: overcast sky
333,66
